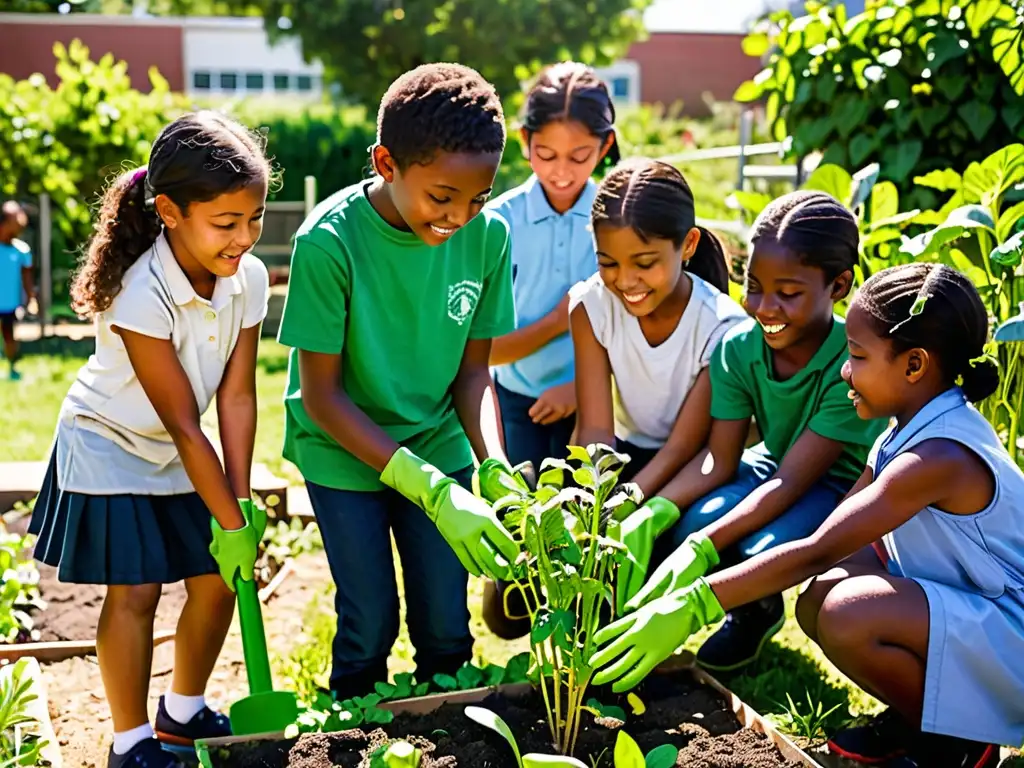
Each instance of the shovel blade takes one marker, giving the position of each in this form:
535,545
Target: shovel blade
268,712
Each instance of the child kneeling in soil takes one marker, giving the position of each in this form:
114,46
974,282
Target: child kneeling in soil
936,630
782,367
135,495
397,286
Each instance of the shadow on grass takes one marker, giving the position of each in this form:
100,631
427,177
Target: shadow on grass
780,671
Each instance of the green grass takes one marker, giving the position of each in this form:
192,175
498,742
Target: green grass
790,664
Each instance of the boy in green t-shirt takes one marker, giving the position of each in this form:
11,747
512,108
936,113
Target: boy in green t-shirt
397,286
783,368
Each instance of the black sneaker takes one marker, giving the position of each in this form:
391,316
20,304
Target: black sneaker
930,750
887,736
146,754
205,724
740,639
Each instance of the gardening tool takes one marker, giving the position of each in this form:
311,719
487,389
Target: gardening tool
264,710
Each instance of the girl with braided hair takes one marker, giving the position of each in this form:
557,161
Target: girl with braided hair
782,367
135,495
934,627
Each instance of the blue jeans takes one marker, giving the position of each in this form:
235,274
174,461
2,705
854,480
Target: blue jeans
802,519
525,440
356,528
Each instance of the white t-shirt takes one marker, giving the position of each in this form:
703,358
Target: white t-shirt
109,437
650,384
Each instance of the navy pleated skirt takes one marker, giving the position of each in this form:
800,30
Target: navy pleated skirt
122,538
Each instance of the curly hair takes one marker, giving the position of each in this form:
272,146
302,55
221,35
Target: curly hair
572,91
936,308
655,200
196,158
813,225
440,108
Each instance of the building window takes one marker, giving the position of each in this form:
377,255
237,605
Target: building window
304,83
281,82
228,81
201,81
620,87
254,81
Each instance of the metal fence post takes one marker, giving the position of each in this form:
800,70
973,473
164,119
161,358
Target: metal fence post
309,197
45,299
746,128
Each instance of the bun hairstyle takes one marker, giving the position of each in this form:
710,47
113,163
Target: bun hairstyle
195,159
815,226
654,199
572,91
934,307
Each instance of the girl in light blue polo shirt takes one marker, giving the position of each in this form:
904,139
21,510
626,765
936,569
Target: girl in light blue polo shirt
568,131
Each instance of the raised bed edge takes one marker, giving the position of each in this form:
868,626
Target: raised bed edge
59,650
747,716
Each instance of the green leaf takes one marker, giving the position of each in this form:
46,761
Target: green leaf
990,179
607,710
885,201
979,13
832,180
944,181
755,44
446,682
750,202
538,760
491,720
1009,220
468,677
386,690
543,627
901,159
850,113
1009,253
959,260
944,48
664,756
951,86
516,668
861,147
584,476
627,753
1008,51
960,219
402,754
978,116
378,716
932,117
747,91
493,675
862,184
578,453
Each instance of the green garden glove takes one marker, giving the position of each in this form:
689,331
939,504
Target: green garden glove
638,532
235,551
631,647
254,515
691,560
495,479
467,523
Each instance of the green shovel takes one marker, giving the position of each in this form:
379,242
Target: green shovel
264,710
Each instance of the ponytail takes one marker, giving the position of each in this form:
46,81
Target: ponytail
709,261
127,228
980,379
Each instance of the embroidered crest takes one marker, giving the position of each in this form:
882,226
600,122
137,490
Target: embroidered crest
462,299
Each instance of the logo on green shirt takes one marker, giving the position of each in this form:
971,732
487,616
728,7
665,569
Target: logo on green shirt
462,299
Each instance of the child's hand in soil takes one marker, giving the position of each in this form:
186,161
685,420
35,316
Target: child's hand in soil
631,647
467,523
691,560
637,533
554,404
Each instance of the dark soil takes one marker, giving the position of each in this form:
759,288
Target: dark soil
694,718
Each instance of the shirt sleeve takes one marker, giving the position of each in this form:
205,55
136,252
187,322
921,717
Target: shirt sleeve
715,338
591,294
141,308
730,398
257,293
26,257
837,419
316,307
496,313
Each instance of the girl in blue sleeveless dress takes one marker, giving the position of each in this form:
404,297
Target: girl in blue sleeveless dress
931,621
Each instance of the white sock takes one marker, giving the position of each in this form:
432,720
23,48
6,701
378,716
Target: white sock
124,741
183,708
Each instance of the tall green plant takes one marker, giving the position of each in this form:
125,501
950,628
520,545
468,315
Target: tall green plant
980,231
567,570
914,86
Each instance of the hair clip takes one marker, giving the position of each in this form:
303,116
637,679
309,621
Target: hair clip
915,309
984,357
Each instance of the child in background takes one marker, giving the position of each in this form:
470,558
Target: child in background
397,286
15,276
135,495
644,329
936,633
568,130
782,367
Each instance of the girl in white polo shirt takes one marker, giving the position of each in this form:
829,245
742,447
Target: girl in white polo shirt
644,329
135,495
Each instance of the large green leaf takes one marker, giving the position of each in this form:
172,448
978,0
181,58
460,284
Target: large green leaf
899,160
748,91
961,219
664,756
1009,221
1008,49
751,202
755,44
832,180
1009,254
861,147
978,116
627,752
489,719
885,202
979,13
944,181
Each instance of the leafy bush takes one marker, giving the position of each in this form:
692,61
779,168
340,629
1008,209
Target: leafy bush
914,86
20,743
19,587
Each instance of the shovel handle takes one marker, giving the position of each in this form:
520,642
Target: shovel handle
254,640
